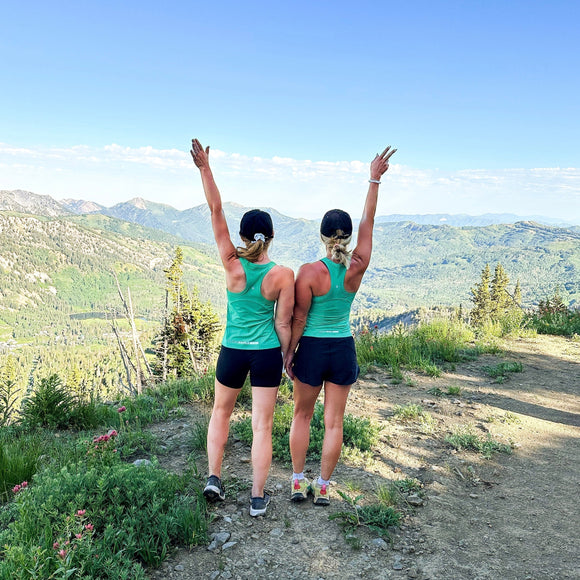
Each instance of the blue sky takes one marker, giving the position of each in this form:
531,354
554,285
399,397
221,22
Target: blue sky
99,101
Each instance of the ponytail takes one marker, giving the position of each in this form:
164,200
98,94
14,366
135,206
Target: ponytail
337,246
253,250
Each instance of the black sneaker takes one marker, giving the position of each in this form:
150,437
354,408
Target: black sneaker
258,505
214,489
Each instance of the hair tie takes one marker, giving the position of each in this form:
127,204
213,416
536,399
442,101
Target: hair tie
259,237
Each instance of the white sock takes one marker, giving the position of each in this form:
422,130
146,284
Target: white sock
298,476
321,481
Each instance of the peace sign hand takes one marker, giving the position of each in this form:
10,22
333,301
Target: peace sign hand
380,163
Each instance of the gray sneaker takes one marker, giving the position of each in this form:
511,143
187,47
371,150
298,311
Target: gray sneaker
258,505
214,490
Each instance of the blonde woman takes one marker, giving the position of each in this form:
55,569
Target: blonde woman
257,335
325,354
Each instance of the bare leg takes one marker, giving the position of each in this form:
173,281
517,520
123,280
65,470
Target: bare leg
219,426
263,403
335,397
304,400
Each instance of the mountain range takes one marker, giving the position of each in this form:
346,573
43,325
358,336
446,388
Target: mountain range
56,258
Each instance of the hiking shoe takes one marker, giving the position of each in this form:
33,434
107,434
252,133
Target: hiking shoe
258,505
300,489
214,489
321,493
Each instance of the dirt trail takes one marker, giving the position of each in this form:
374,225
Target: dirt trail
510,517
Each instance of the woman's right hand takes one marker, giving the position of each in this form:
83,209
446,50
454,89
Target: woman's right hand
380,163
199,156
288,364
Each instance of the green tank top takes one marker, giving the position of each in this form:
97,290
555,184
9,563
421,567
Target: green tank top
329,315
250,317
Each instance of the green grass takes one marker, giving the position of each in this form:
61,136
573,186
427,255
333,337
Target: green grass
464,437
501,371
428,348
408,412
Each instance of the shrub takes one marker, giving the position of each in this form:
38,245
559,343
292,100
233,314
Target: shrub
49,405
464,437
114,518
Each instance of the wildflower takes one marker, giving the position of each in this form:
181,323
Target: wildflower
16,489
121,409
78,536
89,527
24,484
112,433
55,545
62,554
81,513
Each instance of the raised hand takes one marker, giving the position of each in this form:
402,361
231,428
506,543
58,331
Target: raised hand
199,156
380,163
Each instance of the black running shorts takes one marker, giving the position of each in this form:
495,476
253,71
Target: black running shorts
264,366
326,359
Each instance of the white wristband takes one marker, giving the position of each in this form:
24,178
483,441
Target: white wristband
374,181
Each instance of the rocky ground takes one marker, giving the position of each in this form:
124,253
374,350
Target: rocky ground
514,516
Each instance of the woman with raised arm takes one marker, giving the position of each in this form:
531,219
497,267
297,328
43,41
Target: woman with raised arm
257,335
325,354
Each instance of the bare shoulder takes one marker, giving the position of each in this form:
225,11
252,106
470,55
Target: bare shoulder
309,270
281,275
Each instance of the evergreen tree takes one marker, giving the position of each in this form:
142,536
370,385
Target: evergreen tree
481,297
186,342
500,299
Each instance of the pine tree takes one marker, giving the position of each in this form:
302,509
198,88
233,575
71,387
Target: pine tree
481,297
186,342
500,299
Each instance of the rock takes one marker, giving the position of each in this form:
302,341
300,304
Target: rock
380,543
473,496
397,565
218,540
279,486
277,533
228,545
227,519
415,500
142,463
214,575
179,568
245,459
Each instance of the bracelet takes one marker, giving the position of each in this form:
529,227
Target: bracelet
375,181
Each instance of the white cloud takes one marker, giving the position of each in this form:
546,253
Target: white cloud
298,187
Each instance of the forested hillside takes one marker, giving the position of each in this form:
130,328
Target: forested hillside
56,273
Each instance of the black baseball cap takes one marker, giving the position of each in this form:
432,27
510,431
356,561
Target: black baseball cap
334,220
255,222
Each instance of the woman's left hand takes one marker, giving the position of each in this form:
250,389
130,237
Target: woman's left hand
199,156
380,163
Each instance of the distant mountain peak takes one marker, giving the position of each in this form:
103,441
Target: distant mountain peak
138,202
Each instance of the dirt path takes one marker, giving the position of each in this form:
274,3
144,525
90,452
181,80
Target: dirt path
510,517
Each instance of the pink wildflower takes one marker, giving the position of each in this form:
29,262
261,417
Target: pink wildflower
62,554
24,484
16,489
55,545
81,513
89,527
112,433
121,409
78,536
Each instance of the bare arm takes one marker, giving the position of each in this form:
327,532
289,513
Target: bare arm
284,308
361,255
219,225
302,303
